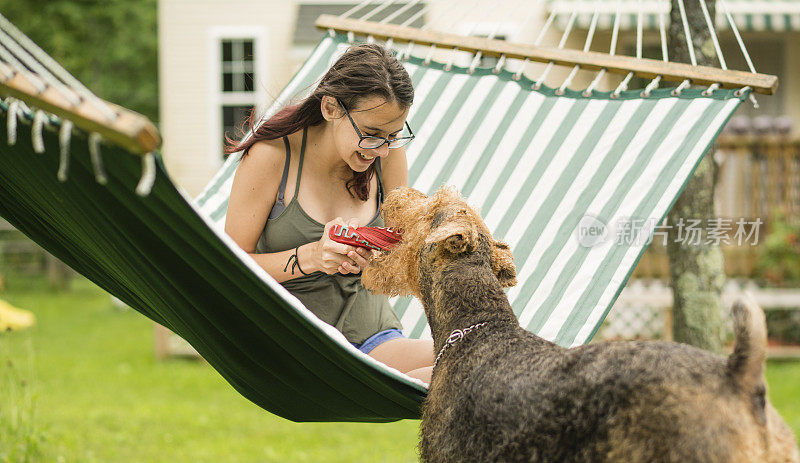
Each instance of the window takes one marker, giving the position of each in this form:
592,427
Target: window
233,118
237,86
237,66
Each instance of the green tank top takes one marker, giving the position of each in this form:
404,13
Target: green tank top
337,299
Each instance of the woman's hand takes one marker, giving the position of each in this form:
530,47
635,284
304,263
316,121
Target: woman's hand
332,257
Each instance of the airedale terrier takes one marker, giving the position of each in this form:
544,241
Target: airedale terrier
501,393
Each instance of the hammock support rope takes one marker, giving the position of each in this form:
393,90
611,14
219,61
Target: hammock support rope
642,67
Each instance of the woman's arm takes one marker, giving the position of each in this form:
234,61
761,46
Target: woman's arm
255,186
395,169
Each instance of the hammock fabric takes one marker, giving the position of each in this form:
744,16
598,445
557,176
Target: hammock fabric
538,165
535,162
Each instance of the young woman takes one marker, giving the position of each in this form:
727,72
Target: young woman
330,160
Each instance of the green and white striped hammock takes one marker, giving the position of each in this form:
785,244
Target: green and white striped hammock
536,163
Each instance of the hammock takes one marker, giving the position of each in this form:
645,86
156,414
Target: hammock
540,164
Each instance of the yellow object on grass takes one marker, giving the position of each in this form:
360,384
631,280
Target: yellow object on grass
12,318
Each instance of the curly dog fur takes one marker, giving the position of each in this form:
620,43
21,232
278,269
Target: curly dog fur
504,394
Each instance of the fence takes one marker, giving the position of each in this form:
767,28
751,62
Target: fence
20,255
758,180
643,311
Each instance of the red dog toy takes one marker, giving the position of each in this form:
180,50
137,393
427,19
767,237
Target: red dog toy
379,238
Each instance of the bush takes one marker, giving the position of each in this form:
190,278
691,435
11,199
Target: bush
778,261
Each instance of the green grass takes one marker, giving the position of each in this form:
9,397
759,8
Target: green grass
94,392
84,386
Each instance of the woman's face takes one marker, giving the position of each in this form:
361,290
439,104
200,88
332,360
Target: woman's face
372,115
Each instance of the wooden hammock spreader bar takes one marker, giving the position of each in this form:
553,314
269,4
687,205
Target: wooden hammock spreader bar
590,60
129,130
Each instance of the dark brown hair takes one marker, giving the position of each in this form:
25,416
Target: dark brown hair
363,70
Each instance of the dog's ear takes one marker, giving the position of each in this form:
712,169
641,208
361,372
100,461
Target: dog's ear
503,264
456,236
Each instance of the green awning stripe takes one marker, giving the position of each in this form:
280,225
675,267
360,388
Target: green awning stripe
413,314
611,215
550,261
220,212
610,263
505,123
419,327
522,138
749,15
416,73
465,153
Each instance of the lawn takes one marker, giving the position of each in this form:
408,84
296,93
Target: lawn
84,386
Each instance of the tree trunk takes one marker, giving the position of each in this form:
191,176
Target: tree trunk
697,270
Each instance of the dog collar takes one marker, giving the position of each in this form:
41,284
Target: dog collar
455,336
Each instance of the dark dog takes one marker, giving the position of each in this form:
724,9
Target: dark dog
500,393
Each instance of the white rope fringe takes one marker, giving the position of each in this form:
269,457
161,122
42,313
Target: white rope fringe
499,66
567,81
589,36
590,89
679,88
622,86
650,87
64,136
148,178
13,109
518,75
97,160
710,90
37,140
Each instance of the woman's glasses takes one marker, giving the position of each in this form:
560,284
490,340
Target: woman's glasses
370,142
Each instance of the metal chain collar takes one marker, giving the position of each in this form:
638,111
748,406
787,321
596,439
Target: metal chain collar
455,336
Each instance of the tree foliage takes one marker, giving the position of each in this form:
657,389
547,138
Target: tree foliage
109,45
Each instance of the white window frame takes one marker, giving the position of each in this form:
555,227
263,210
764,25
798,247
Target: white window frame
217,97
